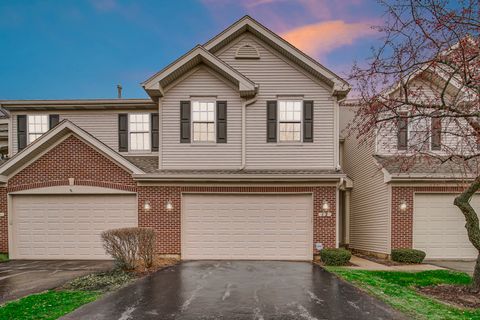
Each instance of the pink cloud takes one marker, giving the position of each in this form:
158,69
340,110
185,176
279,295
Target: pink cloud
321,38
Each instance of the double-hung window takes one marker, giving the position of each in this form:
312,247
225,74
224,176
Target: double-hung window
290,121
37,125
139,131
203,121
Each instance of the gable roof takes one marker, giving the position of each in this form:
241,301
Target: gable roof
39,146
156,84
247,23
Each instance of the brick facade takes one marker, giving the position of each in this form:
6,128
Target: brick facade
72,158
402,222
168,223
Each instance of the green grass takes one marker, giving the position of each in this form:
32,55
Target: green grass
3,257
397,289
48,305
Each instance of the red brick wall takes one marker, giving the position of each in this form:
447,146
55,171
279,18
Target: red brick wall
402,222
167,223
72,158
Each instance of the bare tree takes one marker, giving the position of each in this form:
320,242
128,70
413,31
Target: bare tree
425,76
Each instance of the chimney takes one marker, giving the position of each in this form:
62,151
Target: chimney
119,90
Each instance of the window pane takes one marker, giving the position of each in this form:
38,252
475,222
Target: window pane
290,131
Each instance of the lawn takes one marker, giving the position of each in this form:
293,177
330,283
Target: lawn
398,290
3,257
47,305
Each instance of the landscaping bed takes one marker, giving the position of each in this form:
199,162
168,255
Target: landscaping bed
459,296
3,257
413,293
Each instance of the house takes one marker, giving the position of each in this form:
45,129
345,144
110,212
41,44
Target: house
235,155
403,201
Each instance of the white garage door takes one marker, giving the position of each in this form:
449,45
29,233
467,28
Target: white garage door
253,227
67,226
439,227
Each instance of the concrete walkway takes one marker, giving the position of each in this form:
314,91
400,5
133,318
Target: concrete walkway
456,265
364,264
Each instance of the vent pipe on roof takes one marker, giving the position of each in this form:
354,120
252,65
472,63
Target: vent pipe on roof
119,91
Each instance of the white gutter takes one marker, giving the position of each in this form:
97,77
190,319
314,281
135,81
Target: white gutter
238,177
245,103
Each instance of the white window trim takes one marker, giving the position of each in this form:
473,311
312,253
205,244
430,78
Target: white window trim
192,137
28,125
149,133
301,122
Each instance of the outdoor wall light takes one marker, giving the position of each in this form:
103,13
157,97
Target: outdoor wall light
147,205
325,212
168,205
403,206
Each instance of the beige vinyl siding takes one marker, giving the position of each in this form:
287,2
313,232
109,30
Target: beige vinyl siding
278,77
201,82
370,197
102,124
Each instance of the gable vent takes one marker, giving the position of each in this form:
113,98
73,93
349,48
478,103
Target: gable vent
247,51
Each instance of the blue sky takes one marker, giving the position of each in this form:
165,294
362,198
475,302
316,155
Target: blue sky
66,49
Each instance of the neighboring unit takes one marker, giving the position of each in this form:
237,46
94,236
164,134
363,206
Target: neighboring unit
234,156
400,203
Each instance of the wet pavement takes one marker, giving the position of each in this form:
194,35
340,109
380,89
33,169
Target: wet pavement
238,290
19,278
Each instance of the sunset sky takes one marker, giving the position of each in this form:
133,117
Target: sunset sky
52,49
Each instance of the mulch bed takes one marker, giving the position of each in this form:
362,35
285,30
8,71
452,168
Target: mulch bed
158,263
321,264
385,262
457,295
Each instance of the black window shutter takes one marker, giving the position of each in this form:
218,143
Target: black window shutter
221,121
155,129
436,134
271,121
185,121
22,131
402,133
123,132
53,120
308,121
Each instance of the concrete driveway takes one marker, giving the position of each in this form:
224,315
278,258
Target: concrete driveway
238,290
19,278
457,265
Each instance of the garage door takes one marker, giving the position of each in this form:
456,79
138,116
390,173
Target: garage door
67,226
254,227
439,227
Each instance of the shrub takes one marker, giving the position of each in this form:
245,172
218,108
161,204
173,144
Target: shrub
335,257
146,246
127,245
101,281
408,255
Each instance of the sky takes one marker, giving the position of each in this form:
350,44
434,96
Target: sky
81,49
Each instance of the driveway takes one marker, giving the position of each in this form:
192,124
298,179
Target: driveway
238,290
457,265
19,278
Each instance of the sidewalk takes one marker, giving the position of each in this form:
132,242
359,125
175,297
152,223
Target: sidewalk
364,264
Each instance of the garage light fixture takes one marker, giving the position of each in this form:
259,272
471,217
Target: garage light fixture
403,206
325,212
168,205
147,205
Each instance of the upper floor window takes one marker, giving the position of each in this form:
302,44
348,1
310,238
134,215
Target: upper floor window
203,121
37,125
420,133
139,131
290,121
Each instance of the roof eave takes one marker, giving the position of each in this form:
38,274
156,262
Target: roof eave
239,178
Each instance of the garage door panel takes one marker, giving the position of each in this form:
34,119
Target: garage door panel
222,226
439,227
67,227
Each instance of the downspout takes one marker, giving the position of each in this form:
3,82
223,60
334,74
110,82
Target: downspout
245,103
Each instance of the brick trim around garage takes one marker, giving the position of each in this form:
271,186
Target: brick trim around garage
402,222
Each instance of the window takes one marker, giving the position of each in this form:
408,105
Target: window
37,125
203,121
290,120
402,131
139,131
436,135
